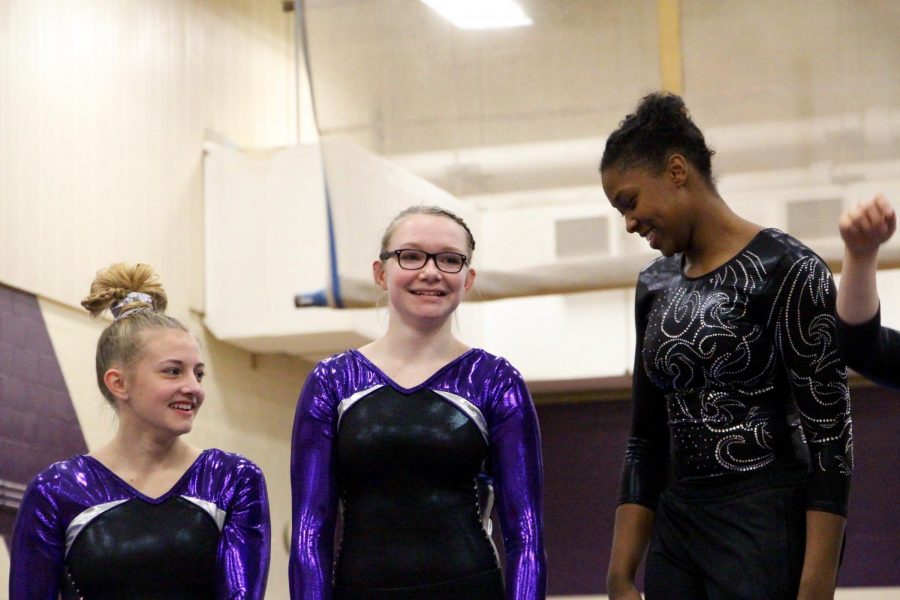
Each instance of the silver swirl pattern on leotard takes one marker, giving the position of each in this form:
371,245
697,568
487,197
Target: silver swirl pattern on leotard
740,353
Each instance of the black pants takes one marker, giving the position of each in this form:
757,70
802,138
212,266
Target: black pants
482,586
738,541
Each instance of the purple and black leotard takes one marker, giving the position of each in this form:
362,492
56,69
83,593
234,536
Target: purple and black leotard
408,466
83,532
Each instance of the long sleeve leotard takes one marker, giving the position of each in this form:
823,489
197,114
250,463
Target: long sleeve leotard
83,532
728,363
405,465
872,350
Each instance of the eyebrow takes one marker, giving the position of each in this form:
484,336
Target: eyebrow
414,246
180,362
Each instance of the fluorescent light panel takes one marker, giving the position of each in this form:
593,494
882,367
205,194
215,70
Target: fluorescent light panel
481,14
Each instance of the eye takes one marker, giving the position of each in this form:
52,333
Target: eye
450,259
412,254
200,374
625,205
174,371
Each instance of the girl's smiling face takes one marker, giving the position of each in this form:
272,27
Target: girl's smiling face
426,293
161,390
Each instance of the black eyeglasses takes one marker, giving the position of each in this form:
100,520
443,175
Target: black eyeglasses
412,259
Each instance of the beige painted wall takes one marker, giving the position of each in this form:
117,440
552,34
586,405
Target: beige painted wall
104,109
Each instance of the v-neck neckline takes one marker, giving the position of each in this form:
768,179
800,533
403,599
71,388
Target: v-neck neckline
409,390
157,500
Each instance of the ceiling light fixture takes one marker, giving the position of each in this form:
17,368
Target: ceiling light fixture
481,14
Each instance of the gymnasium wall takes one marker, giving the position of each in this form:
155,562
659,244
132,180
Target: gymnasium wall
584,440
105,108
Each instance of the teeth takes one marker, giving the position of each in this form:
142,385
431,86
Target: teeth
182,406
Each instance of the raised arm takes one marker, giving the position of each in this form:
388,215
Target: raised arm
244,548
863,228
38,543
314,491
867,347
515,443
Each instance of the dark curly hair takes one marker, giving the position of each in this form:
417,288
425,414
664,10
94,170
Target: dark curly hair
660,127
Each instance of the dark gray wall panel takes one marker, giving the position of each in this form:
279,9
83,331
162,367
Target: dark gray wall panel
38,424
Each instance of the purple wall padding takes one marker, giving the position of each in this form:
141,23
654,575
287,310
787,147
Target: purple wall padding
872,551
38,424
583,446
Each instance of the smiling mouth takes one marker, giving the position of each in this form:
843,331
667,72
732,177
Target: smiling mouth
182,406
433,293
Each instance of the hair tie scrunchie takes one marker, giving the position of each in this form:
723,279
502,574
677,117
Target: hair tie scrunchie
120,309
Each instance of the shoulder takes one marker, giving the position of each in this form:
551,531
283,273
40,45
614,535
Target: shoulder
789,263
659,273
494,380
67,487
337,364
61,473
226,479
338,377
229,463
489,366
776,244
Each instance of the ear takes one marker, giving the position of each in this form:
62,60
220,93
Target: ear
114,379
378,274
676,169
470,279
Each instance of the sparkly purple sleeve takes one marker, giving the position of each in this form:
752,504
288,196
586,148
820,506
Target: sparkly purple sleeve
517,472
38,543
314,491
244,548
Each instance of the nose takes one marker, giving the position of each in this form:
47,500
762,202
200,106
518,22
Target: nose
429,269
192,387
631,224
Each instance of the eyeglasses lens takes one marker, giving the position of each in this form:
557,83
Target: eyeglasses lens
448,262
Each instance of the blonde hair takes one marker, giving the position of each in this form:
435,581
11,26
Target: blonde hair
434,211
120,343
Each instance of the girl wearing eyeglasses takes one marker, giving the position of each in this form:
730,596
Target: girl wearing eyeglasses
412,435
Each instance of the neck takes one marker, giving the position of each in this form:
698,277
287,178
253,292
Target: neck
141,448
719,234
418,342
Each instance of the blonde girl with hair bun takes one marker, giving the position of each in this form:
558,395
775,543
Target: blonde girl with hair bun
146,515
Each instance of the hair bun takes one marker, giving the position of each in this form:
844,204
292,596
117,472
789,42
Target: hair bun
664,112
123,287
